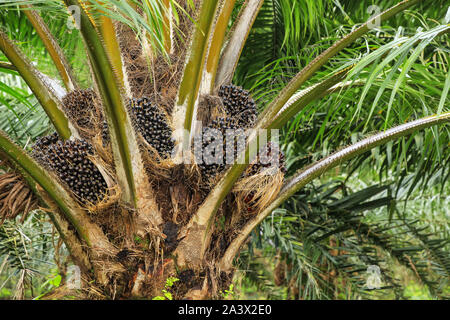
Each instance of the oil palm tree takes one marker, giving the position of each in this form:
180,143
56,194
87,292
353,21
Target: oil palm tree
121,179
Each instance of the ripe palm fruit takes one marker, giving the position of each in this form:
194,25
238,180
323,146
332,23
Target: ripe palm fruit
209,162
69,160
239,105
153,126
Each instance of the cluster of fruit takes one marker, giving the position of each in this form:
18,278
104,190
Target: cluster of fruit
70,161
153,126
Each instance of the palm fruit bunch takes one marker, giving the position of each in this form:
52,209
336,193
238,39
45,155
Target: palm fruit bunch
79,105
208,164
241,113
105,133
239,105
70,161
153,125
268,157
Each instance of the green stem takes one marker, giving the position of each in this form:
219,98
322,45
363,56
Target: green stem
239,34
215,48
52,47
303,98
192,74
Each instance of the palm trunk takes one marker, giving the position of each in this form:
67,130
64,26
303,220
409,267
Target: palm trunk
139,267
